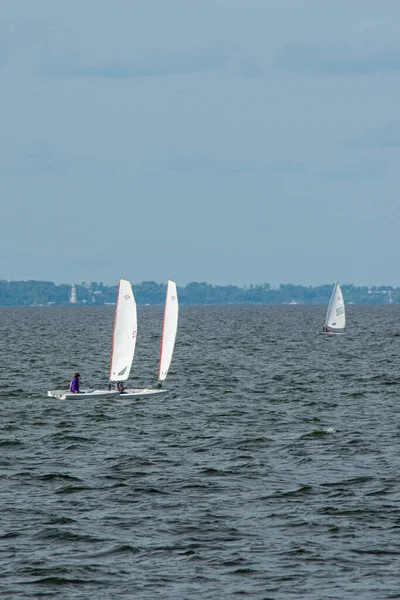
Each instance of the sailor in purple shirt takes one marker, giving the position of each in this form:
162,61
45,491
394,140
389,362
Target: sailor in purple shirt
74,385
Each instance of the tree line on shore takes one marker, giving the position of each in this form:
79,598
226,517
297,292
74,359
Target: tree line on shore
38,293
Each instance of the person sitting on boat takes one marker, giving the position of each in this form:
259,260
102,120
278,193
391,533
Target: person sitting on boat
120,387
74,385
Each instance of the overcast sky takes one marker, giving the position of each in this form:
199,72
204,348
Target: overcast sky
228,141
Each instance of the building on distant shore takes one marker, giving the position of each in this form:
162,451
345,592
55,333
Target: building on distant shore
72,298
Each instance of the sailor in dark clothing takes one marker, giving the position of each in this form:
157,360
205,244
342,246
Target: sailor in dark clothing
74,385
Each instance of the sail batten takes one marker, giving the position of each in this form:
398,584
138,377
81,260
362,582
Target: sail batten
336,313
170,326
124,333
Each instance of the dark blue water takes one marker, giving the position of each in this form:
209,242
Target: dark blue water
270,471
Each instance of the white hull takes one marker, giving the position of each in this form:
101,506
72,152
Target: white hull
105,394
331,332
141,393
67,395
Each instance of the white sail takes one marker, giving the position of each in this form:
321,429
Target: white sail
170,326
336,314
124,333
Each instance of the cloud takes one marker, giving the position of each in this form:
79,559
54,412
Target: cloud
19,42
387,136
337,60
370,169
372,24
350,173
154,65
208,164
372,47
31,158
246,65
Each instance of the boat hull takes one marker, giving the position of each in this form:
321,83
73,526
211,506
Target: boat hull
105,394
141,393
67,395
331,332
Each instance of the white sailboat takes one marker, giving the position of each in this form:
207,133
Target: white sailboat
124,343
123,346
168,336
335,321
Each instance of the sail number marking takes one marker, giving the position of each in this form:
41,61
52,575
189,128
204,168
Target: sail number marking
339,311
133,334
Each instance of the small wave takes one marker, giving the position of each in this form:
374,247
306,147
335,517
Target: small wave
21,474
53,580
195,486
234,562
73,438
12,393
244,571
10,534
120,549
213,472
153,491
304,489
53,533
377,552
319,432
52,476
253,441
103,417
352,481
71,489
60,521
10,443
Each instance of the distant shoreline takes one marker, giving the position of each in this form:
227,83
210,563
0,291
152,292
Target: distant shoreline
47,293
209,305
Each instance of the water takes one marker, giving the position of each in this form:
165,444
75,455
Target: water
270,470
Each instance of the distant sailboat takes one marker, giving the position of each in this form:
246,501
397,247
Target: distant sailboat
335,321
124,343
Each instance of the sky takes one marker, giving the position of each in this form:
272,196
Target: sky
227,141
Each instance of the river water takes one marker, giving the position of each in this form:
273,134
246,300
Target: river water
271,470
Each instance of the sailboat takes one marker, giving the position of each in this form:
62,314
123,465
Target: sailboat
124,343
167,343
335,321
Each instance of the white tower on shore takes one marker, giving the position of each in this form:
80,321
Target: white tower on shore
72,298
